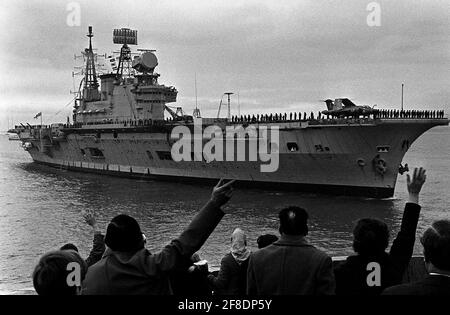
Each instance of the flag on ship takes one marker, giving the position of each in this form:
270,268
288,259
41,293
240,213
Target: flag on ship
38,115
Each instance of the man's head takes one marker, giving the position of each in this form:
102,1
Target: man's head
124,234
370,237
69,246
265,240
195,258
436,246
50,276
293,221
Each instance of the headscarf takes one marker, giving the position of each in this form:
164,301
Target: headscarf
239,246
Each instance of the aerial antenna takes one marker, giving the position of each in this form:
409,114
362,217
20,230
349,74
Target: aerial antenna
220,106
239,106
90,91
229,102
91,77
196,99
196,110
402,94
73,83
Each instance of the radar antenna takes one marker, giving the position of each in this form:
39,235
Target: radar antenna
196,112
125,36
229,103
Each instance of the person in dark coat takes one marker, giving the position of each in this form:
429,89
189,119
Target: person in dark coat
436,245
290,266
190,279
265,240
51,274
128,268
372,269
52,271
232,276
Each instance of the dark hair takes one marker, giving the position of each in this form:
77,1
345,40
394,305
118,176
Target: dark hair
436,244
370,237
265,240
124,234
50,274
69,246
293,221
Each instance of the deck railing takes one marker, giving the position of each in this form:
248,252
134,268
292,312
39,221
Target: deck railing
292,117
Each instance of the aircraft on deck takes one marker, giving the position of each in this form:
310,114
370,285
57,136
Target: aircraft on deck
343,107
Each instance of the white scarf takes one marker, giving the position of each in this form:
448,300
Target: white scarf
239,246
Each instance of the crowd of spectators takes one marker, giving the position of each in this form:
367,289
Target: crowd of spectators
288,264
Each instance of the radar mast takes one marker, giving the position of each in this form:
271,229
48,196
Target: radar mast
90,90
125,36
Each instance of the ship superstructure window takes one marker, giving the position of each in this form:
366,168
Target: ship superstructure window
383,148
164,155
292,146
96,153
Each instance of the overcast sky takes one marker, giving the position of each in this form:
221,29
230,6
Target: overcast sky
278,55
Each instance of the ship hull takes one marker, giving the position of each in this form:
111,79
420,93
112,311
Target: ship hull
370,192
329,158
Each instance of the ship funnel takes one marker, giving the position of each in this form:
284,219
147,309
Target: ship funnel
145,63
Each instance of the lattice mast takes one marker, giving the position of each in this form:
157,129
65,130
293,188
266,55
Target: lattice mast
90,76
125,36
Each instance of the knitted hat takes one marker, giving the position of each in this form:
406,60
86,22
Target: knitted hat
124,234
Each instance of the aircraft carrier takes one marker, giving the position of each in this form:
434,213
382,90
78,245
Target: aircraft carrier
119,127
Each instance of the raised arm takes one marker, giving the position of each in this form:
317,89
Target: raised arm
198,231
98,247
403,245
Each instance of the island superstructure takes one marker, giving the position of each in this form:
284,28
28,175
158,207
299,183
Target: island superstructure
119,128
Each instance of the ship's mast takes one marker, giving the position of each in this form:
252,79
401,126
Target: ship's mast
125,58
229,102
90,79
90,90
196,112
229,105
402,94
126,37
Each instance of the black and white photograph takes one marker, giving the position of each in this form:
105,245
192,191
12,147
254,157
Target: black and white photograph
228,154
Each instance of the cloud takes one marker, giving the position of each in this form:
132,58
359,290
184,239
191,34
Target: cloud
278,55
